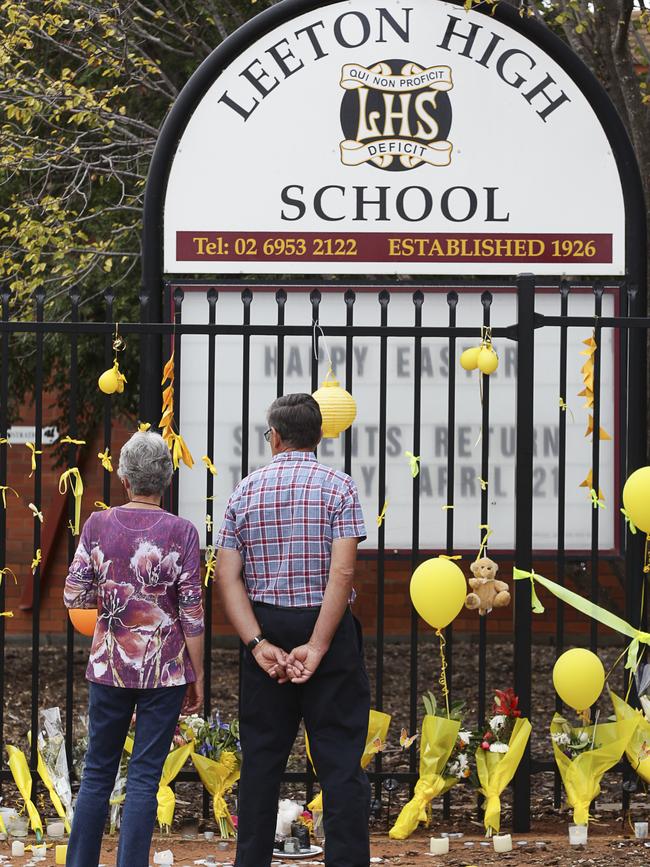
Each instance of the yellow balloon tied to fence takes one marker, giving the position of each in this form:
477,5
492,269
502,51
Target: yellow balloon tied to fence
338,407
487,361
112,380
636,498
438,591
469,358
579,678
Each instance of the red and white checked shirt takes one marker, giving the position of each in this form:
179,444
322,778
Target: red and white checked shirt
282,519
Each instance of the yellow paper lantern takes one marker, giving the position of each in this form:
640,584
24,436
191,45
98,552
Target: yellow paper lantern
636,498
438,591
469,358
338,407
579,678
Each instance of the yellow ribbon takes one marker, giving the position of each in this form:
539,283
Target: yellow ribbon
596,612
37,513
179,450
564,407
4,440
482,483
414,463
8,571
451,556
100,504
628,521
444,508
382,515
37,559
6,614
596,503
208,522
73,478
144,426
210,466
210,562
4,489
107,461
74,442
488,533
34,452
443,669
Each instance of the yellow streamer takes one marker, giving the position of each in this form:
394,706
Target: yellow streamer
414,463
382,515
100,504
37,560
4,489
73,478
613,621
443,669
37,513
34,452
105,458
74,442
628,521
8,571
210,563
210,466
595,501
451,556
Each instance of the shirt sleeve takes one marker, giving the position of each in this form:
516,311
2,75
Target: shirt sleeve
227,536
80,589
190,593
347,518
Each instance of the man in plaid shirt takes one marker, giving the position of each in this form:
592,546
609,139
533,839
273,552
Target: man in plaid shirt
285,569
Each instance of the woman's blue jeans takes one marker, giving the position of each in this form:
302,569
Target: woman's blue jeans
110,711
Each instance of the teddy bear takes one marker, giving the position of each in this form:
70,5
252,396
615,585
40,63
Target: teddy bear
488,593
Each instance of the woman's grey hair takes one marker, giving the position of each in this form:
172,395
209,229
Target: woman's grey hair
146,462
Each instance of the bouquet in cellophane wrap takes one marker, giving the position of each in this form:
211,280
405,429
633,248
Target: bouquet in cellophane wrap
217,759
443,763
53,763
499,753
181,748
584,753
638,748
378,723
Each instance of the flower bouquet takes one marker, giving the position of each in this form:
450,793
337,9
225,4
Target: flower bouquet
378,723
583,755
443,762
499,753
180,750
217,758
638,748
53,763
23,780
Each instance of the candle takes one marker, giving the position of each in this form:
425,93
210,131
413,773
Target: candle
55,829
61,853
18,848
502,843
164,857
39,851
209,835
578,835
291,846
439,845
640,830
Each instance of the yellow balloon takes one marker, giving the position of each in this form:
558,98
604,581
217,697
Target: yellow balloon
579,678
469,358
438,591
488,360
108,382
636,498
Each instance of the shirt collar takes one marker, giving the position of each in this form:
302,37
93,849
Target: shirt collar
294,456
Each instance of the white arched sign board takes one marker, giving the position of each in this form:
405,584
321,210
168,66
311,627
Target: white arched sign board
400,138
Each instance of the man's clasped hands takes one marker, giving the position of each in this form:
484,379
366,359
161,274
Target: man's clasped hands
294,667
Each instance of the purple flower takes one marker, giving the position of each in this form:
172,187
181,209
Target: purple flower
153,571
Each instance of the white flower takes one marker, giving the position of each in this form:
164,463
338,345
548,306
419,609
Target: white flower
583,737
498,748
645,704
562,739
465,738
497,722
458,767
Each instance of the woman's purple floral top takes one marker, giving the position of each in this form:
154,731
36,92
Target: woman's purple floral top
141,569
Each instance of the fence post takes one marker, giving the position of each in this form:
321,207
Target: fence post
524,530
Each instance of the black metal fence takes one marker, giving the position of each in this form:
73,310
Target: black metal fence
628,322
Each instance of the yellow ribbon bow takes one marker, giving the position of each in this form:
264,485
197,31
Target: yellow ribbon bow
208,522
105,458
100,504
34,452
613,621
4,440
144,426
482,483
206,460
73,478
628,521
4,489
8,571
37,513
37,560
596,503
210,562
382,515
179,450
6,614
74,442
414,463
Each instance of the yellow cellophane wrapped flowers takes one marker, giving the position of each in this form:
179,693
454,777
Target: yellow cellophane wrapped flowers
638,747
23,779
496,769
165,796
378,723
219,777
582,775
439,736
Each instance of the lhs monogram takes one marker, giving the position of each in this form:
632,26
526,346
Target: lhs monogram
396,115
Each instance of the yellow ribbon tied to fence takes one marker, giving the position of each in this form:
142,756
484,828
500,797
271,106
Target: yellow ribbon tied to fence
166,798
34,452
23,780
596,612
73,478
439,736
378,723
